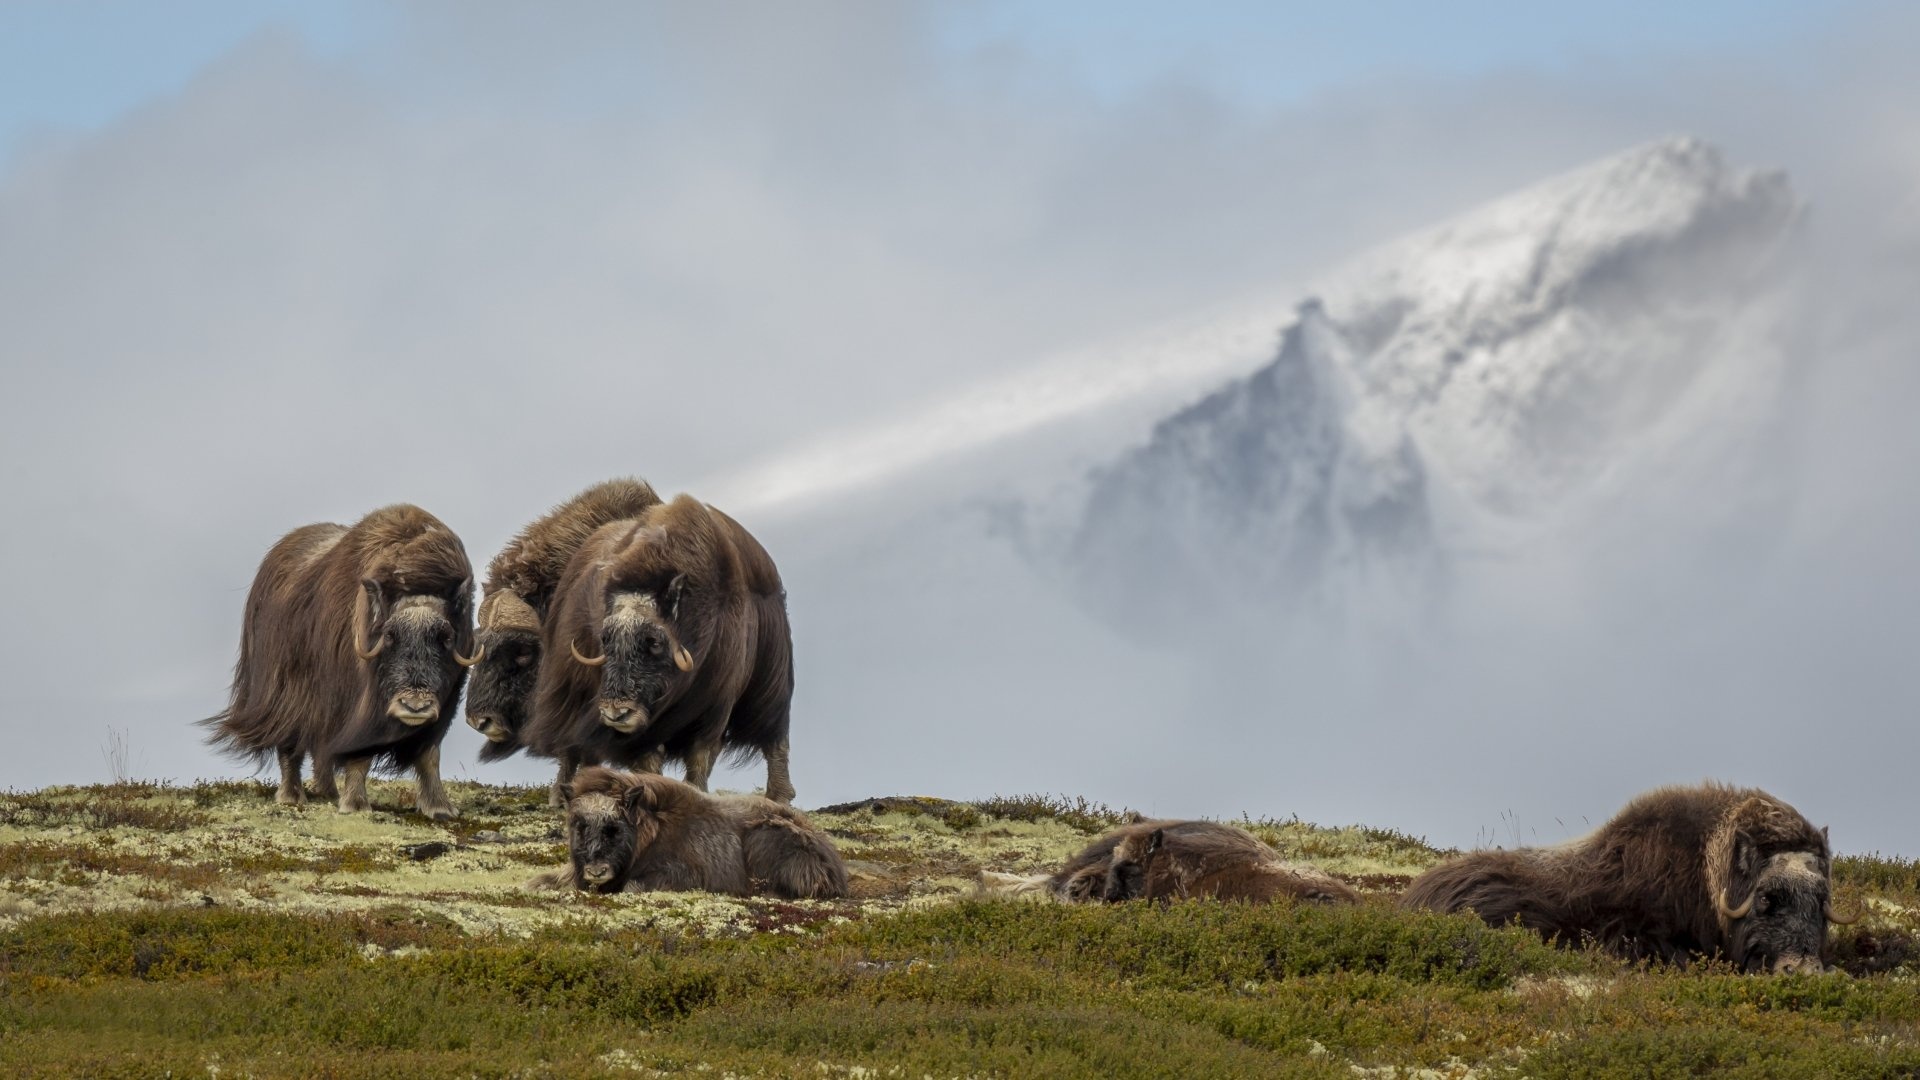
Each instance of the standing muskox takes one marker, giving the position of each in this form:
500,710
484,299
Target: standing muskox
667,641
1165,860
1716,871
352,651
641,832
520,585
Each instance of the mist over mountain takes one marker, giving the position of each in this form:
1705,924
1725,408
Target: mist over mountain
1514,378
1505,514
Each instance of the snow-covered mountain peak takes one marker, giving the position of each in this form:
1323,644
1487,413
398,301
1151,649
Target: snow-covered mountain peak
1526,250
1503,373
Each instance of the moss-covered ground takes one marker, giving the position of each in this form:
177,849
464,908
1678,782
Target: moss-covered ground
149,930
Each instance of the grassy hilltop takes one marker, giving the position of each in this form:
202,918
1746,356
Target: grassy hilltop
148,930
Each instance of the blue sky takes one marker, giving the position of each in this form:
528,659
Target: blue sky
67,67
1274,52
73,67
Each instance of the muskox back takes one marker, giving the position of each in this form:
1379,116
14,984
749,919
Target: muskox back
1180,859
1729,873
348,652
787,855
521,581
667,641
1187,860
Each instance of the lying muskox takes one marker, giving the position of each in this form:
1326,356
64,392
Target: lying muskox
352,651
640,832
1166,860
667,641
1715,871
520,584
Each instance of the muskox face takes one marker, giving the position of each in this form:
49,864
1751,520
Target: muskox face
641,658
1781,927
412,645
1132,859
604,834
502,683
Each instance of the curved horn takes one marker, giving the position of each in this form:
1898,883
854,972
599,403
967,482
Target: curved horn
478,655
1733,913
1827,910
682,659
590,661
364,612
362,651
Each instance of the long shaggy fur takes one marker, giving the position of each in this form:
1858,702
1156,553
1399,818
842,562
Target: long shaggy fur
1644,885
521,581
298,686
532,562
731,617
1190,859
675,837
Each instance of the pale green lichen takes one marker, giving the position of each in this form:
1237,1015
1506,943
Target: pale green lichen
121,847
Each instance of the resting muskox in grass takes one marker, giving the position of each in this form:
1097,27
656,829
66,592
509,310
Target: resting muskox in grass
520,585
1186,859
1716,871
353,650
667,641
640,832
1166,860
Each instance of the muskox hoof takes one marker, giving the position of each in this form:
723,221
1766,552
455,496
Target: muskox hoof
290,797
352,805
442,813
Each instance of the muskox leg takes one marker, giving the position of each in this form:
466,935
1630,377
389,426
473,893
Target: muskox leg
653,761
700,765
323,785
432,798
290,793
569,764
779,785
353,797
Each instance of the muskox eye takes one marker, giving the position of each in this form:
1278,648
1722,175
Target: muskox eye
523,659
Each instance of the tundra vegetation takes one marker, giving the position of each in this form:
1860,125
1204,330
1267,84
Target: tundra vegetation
152,930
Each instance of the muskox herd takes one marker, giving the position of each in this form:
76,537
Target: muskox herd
617,628
1715,871
621,628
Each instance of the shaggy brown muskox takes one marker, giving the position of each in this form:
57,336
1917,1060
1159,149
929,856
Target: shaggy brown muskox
1161,860
353,651
640,832
667,641
1183,859
1716,871
519,590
